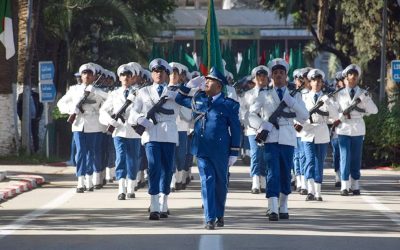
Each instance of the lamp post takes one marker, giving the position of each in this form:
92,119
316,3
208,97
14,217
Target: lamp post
383,53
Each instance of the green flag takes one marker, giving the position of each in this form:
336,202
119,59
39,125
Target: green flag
6,29
211,56
229,58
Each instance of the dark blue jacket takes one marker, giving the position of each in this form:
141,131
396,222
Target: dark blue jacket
220,134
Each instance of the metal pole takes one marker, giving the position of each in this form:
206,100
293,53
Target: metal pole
383,54
46,121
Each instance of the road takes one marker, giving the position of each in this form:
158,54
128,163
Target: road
55,217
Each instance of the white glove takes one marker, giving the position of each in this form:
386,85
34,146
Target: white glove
131,97
265,126
197,82
115,123
145,122
171,95
363,96
89,88
232,160
289,100
324,98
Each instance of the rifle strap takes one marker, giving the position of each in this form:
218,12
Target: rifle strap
323,113
287,114
361,110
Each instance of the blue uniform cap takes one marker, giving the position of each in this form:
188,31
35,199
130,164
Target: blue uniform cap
216,75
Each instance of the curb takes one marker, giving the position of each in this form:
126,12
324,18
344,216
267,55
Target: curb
19,184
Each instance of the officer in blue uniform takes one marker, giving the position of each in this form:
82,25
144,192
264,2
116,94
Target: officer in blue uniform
216,140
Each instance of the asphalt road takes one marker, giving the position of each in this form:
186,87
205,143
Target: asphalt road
55,217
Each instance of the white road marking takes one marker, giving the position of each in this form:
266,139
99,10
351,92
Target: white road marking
211,242
19,223
371,200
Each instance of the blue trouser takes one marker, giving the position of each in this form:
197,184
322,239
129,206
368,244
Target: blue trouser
104,149
335,153
279,160
214,185
180,152
127,151
98,153
73,152
315,157
189,156
160,157
350,156
85,152
257,158
298,158
143,159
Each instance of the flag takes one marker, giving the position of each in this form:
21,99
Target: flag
300,59
188,61
211,52
292,65
263,59
6,29
229,58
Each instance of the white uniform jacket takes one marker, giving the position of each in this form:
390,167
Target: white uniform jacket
87,122
112,105
354,126
265,105
166,129
318,131
231,93
246,101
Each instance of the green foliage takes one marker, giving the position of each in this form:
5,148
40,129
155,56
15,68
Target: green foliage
382,140
55,113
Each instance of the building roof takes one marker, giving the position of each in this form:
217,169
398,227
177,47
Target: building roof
196,18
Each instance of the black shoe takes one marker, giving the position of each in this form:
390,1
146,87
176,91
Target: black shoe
178,186
283,216
80,190
273,216
163,215
99,186
130,195
91,189
310,197
121,197
304,192
255,191
104,182
136,188
338,184
318,198
154,216
220,222
262,190
173,190
210,225
183,186
344,192
356,192
110,181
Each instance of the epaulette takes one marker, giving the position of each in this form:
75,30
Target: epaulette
173,87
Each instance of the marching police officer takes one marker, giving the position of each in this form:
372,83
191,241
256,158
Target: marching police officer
86,128
126,140
354,103
338,83
260,75
316,133
216,140
160,135
280,138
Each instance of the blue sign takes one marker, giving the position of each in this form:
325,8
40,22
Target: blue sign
46,70
47,92
396,70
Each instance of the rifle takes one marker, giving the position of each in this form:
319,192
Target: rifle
79,106
348,110
151,114
319,104
262,136
122,110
